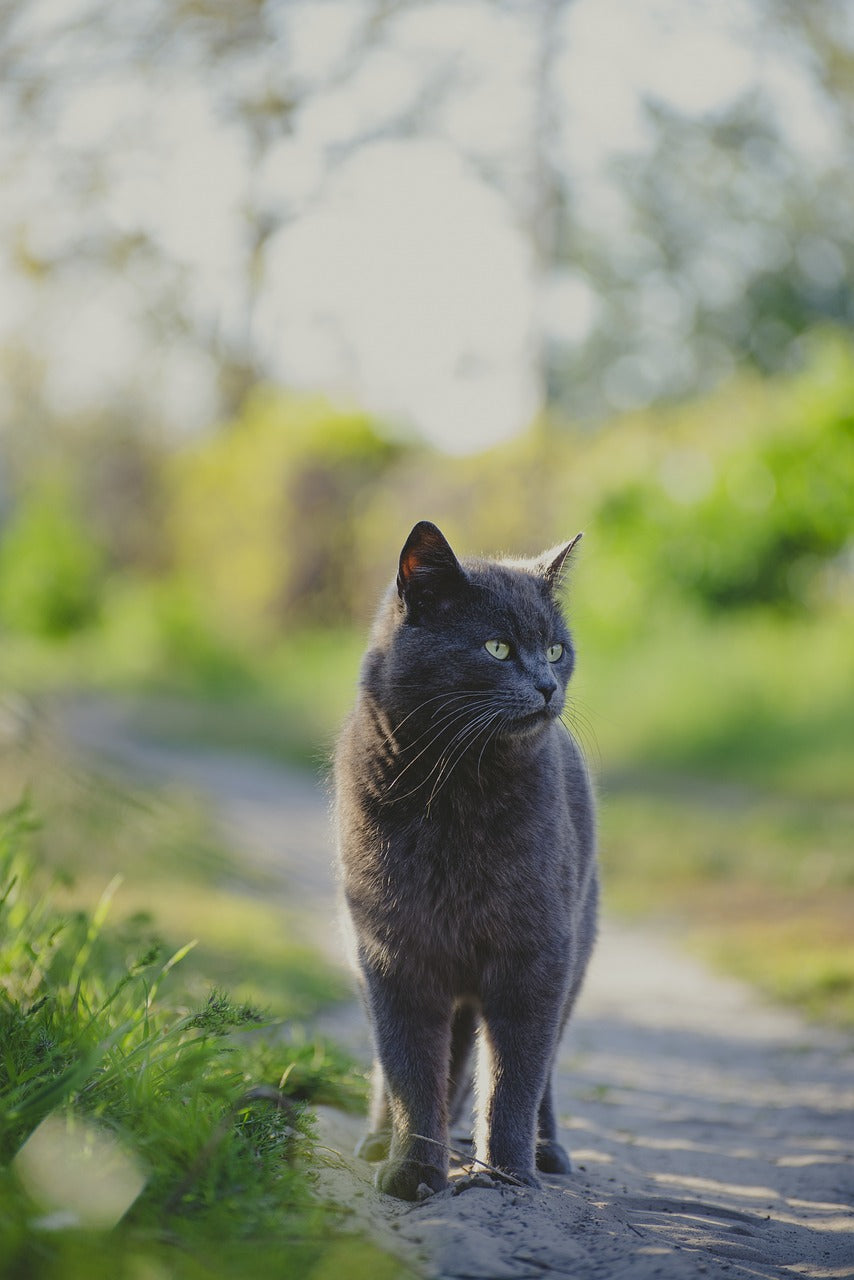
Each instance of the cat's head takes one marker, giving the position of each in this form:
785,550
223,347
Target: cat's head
489,634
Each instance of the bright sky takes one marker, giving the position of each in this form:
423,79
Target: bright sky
402,278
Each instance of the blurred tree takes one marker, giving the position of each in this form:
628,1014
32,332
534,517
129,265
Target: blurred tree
261,516
739,235
822,31
85,101
733,242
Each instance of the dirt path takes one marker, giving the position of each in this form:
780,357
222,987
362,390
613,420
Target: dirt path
712,1134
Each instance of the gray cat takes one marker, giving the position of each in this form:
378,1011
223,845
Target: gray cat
466,835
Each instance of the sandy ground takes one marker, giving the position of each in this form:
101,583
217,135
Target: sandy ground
712,1134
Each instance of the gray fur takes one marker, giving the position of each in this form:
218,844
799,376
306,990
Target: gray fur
466,836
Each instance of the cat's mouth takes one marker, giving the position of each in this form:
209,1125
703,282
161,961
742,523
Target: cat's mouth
532,721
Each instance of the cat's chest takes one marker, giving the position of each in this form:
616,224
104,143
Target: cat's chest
472,882
463,869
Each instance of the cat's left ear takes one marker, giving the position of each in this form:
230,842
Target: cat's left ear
554,564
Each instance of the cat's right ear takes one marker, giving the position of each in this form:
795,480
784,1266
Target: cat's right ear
428,563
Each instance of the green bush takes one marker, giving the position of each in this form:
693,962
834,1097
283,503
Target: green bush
743,500
50,566
780,504
261,513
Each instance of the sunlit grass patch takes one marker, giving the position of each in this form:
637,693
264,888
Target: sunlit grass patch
801,953
285,700
102,824
663,832
177,879
755,698
795,945
760,883
257,948
198,1108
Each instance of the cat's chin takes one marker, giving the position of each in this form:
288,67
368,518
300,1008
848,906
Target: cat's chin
532,724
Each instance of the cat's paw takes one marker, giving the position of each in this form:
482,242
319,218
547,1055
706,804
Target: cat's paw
501,1175
553,1158
479,1179
374,1145
406,1179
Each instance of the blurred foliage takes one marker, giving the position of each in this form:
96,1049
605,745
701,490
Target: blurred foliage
763,879
50,564
722,237
778,510
248,548
290,516
711,603
738,501
259,513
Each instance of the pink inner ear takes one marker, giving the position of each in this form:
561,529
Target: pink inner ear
426,551
409,564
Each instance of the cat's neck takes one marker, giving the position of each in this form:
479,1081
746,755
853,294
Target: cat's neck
416,757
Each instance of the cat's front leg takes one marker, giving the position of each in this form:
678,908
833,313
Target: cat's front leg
519,1033
412,1031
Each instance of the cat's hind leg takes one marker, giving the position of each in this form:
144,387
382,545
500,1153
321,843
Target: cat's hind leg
463,1029
550,1155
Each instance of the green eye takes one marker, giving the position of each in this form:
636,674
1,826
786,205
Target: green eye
554,653
498,648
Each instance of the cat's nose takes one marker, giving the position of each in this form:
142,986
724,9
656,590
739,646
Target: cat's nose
547,690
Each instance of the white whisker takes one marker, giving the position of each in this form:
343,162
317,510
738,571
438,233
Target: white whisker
438,731
466,739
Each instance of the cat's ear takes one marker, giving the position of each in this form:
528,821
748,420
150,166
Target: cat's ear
427,560
554,563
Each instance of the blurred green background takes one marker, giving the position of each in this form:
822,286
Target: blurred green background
228,584
278,279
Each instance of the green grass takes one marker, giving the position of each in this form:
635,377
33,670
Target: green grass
177,879
115,1036
662,831
759,882
286,701
798,951
753,698
727,752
